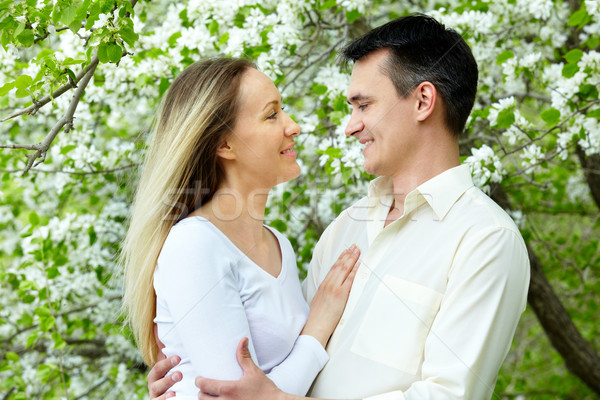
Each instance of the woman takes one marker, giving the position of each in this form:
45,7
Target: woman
221,142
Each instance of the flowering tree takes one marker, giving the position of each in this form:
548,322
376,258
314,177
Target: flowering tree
79,82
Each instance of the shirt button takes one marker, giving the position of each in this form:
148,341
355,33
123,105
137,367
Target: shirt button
342,322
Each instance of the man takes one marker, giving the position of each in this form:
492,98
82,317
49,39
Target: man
444,273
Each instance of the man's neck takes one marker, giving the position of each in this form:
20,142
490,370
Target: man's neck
408,181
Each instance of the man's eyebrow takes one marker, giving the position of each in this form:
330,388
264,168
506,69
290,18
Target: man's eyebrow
357,98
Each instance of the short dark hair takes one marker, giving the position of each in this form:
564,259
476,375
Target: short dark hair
422,49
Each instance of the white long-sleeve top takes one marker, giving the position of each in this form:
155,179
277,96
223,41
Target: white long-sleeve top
436,299
210,295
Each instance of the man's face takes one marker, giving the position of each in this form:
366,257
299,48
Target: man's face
381,120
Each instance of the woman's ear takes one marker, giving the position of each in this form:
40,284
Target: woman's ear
426,100
225,151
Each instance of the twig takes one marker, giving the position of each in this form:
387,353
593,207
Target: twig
96,386
66,121
79,173
32,109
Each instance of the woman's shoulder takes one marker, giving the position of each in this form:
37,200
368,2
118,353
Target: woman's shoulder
195,234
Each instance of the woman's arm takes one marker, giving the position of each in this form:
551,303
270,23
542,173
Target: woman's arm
326,310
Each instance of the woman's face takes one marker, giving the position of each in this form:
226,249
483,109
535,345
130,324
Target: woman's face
262,140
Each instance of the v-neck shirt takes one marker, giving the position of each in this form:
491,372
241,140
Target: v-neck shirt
210,295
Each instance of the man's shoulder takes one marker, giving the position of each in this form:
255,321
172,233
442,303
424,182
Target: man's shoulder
479,211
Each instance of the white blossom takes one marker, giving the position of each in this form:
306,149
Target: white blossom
532,156
485,167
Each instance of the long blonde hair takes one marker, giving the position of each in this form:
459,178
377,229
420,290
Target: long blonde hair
180,173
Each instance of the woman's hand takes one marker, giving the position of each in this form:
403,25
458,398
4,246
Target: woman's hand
330,300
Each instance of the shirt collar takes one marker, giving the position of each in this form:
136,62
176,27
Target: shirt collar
441,191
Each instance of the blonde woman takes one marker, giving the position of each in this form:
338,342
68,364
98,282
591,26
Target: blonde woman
199,262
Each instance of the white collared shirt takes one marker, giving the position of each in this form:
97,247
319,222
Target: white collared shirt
437,297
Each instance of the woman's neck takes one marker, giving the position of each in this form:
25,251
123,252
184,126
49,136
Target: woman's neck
238,213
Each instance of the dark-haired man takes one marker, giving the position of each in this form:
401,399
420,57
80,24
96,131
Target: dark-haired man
444,272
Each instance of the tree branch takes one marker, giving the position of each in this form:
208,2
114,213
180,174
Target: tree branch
32,109
66,121
78,173
591,170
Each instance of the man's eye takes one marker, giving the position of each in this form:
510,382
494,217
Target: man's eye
362,106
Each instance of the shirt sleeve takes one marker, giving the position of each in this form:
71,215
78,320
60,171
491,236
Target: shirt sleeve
478,316
196,279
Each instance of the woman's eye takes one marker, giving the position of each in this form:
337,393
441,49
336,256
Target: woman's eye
272,116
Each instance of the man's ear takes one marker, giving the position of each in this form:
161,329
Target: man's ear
225,151
426,94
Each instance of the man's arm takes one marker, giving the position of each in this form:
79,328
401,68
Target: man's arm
254,384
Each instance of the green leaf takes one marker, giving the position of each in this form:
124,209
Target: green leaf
279,225
569,70
334,152
75,26
213,27
103,53
92,235
163,86
6,88
579,18
505,55
47,323
67,148
319,89
551,116
573,56
589,91
67,16
26,38
11,356
70,61
353,15
60,260
128,35
114,53
23,82
20,93
59,342
327,4
31,339
506,118
593,114
34,219
52,272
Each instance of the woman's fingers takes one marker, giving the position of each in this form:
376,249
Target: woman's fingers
345,264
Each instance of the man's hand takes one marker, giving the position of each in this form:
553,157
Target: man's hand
158,383
253,385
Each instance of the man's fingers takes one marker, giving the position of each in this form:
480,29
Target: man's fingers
158,383
208,387
244,357
161,368
162,385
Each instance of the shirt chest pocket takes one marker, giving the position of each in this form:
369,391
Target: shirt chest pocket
396,324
